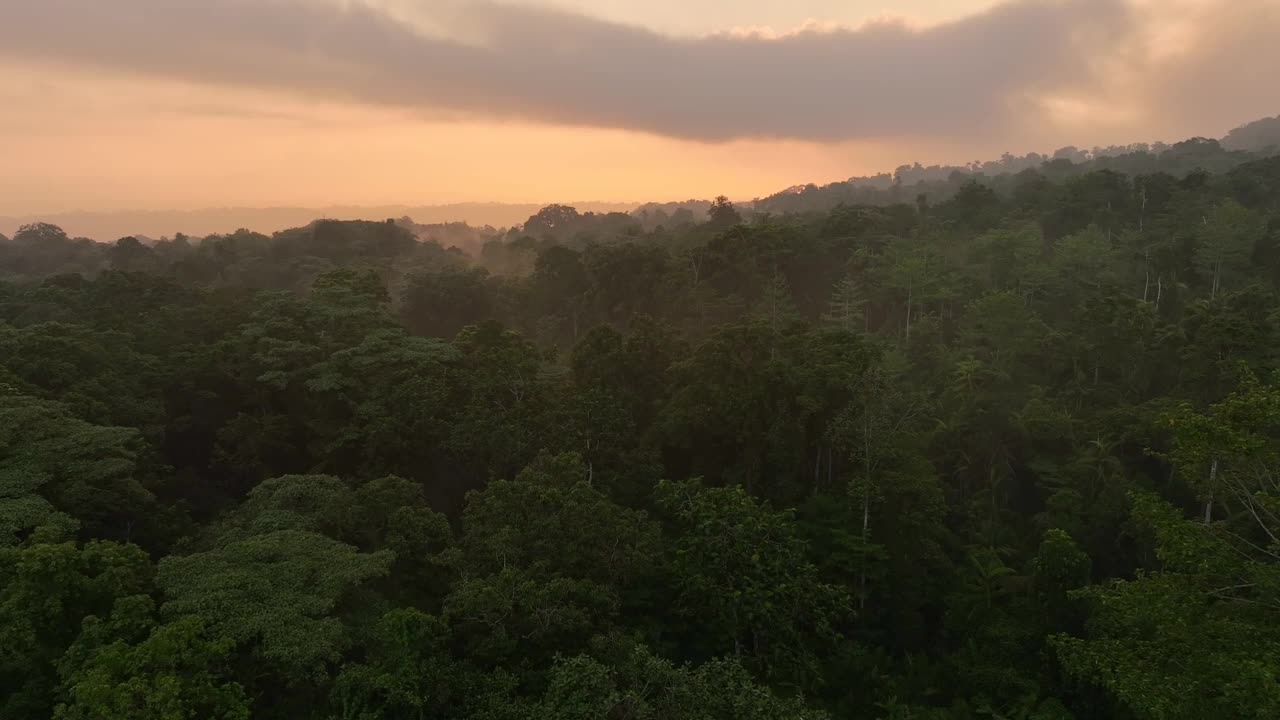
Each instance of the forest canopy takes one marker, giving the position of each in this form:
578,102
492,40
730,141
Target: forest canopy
998,447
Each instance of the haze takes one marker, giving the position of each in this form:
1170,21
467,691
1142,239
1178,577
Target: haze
175,104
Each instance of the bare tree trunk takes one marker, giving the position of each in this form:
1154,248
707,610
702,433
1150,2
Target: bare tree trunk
1142,213
866,510
866,522
1146,272
1208,504
909,298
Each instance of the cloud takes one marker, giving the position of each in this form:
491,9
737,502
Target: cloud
988,75
1222,73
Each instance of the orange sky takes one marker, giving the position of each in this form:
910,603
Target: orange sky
84,125
174,146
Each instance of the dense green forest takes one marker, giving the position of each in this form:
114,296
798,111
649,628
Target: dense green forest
1010,451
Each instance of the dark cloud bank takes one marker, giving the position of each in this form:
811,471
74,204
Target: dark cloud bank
977,76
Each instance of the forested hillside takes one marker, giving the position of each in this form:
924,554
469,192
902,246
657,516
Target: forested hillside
1006,452
1254,141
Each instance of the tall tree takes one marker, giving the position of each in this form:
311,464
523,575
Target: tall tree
1226,246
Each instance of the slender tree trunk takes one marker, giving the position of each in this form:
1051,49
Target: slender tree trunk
866,522
909,298
1208,504
866,511
1142,212
1146,272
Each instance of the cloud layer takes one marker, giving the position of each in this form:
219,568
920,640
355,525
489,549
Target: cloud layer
983,76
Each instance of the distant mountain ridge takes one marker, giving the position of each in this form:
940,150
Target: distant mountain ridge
1260,138
907,183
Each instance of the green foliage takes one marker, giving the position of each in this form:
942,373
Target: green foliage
275,593
51,461
409,672
647,687
176,672
1229,235
551,521
848,306
517,620
743,579
98,375
1024,410
1197,638
46,591
545,561
442,303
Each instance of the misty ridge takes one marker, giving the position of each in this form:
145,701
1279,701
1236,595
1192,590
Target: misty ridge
208,221
468,226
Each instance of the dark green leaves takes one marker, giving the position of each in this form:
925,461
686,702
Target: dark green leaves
276,593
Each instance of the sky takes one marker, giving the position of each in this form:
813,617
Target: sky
174,104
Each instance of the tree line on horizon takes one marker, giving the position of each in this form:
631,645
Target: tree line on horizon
1011,453
599,221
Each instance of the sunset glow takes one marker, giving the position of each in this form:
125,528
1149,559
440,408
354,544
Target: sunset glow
211,104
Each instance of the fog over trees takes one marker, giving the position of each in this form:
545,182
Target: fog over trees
992,441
